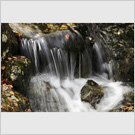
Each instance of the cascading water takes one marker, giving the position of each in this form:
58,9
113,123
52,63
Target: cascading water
54,53
62,65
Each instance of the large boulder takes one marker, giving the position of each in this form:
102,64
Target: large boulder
17,71
9,43
120,41
13,101
92,93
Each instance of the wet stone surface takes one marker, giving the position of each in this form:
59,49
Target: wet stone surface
91,92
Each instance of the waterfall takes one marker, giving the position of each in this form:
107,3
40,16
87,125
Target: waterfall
54,53
63,63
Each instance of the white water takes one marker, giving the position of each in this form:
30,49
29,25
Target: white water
65,96
54,87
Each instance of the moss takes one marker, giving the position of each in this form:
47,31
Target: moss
18,72
120,42
9,43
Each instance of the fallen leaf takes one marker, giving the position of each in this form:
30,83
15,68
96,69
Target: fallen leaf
14,57
128,108
12,93
67,36
28,110
9,58
20,34
16,105
2,81
10,99
23,57
4,87
10,86
16,92
3,67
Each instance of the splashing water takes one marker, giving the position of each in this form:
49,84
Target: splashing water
62,67
65,96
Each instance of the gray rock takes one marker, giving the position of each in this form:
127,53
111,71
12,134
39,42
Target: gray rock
18,72
92,93
9,43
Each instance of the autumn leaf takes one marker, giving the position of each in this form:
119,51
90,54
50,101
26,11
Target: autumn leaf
3,67
67,36
14,57
9,58
23,57
4,87
12,93
20,34
2,81
28,110
10,86
128,108
16,92
10,99
6,81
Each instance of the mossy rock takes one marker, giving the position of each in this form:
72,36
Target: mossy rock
92,92
119,39
17,70
9,43
13,101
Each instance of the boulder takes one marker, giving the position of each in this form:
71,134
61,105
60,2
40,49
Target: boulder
17,71
92,93
120,42
9,43
38,29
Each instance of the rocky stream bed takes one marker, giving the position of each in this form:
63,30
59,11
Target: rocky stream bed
17,69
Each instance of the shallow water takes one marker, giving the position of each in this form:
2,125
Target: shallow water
64,96
57,62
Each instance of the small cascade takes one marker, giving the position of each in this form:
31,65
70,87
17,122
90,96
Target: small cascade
101,65
56,55
63,63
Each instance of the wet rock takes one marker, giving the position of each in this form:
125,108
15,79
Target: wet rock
119,40
9,43
38,29
17,72
13,101
92,93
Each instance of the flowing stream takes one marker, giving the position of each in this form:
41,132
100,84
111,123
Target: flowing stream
62,65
